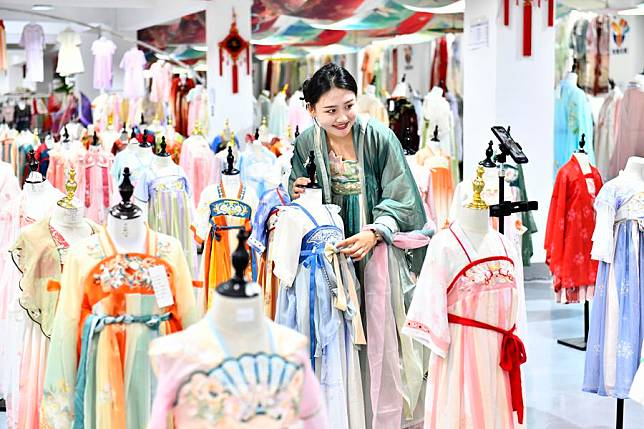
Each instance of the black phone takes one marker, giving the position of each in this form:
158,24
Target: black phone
508,146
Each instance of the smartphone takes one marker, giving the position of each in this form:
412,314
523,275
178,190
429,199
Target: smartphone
509,146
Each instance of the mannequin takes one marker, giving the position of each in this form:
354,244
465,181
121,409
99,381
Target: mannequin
237,309
474,218
311,198
230,178
162,160
639,79
67,216
572,78
635,166
125,223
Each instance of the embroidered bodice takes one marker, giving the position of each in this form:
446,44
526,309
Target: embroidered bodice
345,175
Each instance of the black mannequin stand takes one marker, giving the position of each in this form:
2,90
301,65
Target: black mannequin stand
236,286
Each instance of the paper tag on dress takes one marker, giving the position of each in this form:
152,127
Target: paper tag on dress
255,243
161,286
245,315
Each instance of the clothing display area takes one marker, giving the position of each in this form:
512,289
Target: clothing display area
362,215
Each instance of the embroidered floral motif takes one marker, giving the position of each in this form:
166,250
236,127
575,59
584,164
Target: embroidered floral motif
129,271
56,406
324,234
243,389
624,350
484,274
228,207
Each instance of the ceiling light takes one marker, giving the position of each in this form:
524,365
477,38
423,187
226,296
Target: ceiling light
42,7
200,48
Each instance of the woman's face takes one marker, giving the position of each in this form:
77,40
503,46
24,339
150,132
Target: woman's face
336,111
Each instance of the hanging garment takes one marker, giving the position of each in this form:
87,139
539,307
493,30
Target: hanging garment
264,102
573,117
371,106
630,126
98,372
278,117
258,168
21,334
103,50
261,240
26,142
218,221
298,116
197,109
467,309
597,42
42,156
571,220
637,388
606,131
39,253
437,112
439,65
130,157
179,103
579,52
214,388
200,164
527,219
3,47
60,161
22,117
161,72
132,63
170,207
616,330
95,183
318,298
70,60
402,116
33,40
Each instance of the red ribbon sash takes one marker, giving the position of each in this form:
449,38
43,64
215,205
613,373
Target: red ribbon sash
512,356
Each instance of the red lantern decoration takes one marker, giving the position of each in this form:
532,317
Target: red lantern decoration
234,44
527,20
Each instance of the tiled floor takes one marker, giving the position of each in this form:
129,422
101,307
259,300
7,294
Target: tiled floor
554,373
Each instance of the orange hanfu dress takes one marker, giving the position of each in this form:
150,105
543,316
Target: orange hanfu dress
111,306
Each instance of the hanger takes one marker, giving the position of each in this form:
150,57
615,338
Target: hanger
236,286
126,209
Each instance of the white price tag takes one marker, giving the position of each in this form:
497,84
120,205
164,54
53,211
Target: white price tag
245,314
161,286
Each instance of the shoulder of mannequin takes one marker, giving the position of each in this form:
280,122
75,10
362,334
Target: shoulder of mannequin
176,344
289,341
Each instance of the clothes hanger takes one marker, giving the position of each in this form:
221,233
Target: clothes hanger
236,286
126,209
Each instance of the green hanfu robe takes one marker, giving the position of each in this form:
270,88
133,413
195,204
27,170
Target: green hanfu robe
390,201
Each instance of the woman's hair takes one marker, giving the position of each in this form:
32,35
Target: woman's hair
328,76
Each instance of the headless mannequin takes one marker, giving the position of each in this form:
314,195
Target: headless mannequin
126,223
584,163
635,167
311,198
436,91
572,78
241,323
67,217
163,162
474,218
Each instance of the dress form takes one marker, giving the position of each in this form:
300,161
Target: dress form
635,166
311,198
67,217
125,222
163,162
474,218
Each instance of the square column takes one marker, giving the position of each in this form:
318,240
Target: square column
223,103
502,87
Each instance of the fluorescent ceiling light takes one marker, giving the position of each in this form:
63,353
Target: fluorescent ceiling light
200,48
456,7
42,7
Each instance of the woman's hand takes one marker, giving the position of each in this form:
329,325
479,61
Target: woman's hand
298,186
359,245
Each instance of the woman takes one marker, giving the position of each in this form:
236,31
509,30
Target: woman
362,169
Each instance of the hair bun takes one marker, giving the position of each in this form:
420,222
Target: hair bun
306,90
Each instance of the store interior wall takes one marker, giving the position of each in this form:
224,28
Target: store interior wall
624,65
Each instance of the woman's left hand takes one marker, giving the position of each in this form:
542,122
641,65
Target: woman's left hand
357,246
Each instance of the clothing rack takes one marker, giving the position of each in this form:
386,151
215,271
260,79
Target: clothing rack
100,31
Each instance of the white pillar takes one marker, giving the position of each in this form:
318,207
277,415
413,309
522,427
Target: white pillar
223,104
502,87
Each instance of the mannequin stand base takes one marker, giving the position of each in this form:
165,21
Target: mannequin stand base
575,343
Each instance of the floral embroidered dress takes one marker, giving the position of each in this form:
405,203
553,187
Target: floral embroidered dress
38,254
218,220
170,207
571,221
202,385
96,183
111,306
617,316
318,297
466,309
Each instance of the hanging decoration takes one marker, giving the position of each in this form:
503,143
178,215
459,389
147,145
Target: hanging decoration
234,44
527,20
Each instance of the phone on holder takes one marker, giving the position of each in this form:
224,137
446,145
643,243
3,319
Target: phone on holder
508,146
